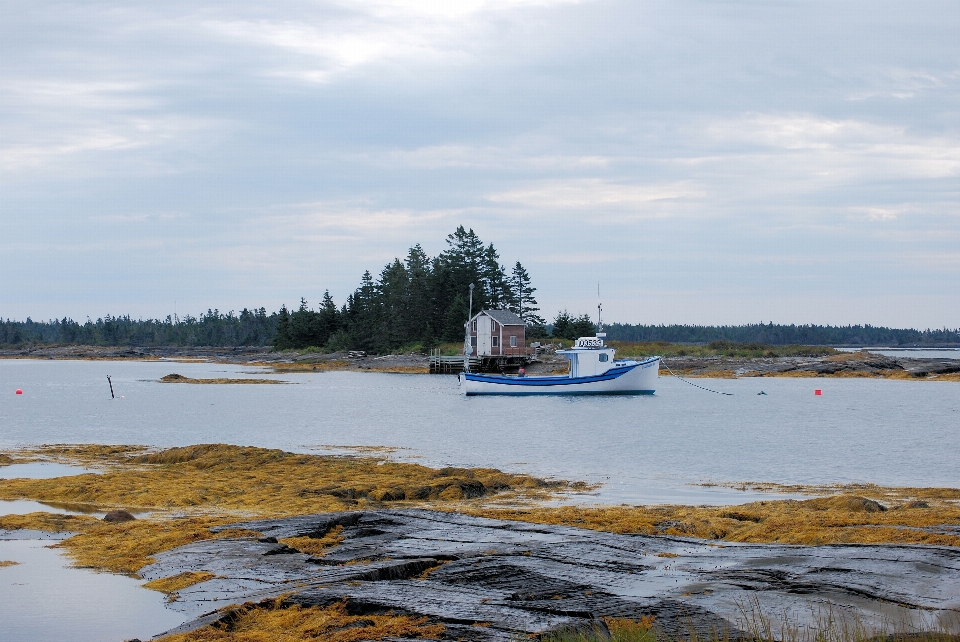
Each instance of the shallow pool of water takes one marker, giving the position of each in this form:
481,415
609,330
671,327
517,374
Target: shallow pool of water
25,506
43,599
42,470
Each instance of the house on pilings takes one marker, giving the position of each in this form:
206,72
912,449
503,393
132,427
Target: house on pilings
498,333
499,342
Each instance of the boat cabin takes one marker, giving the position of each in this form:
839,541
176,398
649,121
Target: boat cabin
589,357
496,333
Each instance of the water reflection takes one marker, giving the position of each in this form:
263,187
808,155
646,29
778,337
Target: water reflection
25,506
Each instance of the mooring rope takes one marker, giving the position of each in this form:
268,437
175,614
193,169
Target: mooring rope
717,392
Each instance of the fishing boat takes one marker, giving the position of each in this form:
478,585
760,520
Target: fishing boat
593,371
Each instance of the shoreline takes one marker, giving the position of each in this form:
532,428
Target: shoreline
844,365
285,533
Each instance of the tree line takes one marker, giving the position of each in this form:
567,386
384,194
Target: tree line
422,300
774,334
249,328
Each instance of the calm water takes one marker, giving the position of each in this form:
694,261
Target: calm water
43,600
643,449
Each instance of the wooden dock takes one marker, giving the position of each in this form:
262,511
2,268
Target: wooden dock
516,359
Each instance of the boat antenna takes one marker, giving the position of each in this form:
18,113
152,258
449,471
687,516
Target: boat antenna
599,320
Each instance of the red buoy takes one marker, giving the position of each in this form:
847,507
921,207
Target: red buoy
818,392
19,392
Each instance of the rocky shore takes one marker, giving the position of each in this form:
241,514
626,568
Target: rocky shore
490,580
862,364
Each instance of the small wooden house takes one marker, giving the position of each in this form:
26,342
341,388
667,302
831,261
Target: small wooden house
495,333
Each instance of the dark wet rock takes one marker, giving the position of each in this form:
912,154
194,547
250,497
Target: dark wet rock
916,503
864,505
675,526
388,494
927,367
518,578
118,517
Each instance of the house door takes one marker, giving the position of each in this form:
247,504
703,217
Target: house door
483,336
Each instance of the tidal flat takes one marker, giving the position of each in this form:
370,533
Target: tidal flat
391,495
269,539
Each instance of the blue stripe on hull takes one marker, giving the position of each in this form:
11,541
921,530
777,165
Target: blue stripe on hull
566,393
554,385
549,381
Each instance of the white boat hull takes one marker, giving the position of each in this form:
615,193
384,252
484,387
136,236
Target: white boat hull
624,378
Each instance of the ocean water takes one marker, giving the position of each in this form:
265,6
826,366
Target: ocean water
649,449
643,449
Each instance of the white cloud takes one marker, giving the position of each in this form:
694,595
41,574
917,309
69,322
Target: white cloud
588,193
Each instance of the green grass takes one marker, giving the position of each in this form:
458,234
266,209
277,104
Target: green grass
717,349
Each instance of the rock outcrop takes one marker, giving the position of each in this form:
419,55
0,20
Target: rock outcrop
514,577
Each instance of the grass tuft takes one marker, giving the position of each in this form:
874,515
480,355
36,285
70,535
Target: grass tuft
316,546
173,584
279,621
840,519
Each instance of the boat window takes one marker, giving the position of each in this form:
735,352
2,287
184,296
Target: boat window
604,356
513,341
495,341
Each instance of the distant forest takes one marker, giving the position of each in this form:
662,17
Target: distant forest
778,335
421,301
255,328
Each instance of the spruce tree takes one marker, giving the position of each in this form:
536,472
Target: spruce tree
522,296
282,339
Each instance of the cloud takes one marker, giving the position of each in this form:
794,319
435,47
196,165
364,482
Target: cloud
748,147
592,193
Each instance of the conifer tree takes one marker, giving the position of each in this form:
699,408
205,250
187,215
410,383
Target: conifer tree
522,299
282,339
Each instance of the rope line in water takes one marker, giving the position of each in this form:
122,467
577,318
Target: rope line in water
716,392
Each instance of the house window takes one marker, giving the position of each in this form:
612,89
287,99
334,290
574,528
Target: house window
495,341
474,326
473,341
513,341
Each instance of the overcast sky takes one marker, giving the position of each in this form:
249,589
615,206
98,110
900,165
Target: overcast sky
706,162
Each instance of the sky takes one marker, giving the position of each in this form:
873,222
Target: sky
703,162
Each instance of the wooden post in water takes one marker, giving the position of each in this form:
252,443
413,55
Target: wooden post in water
111,387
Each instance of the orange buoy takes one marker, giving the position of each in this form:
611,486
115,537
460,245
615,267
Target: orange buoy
818,392
19,392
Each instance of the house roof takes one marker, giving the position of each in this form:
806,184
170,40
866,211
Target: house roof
504,317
